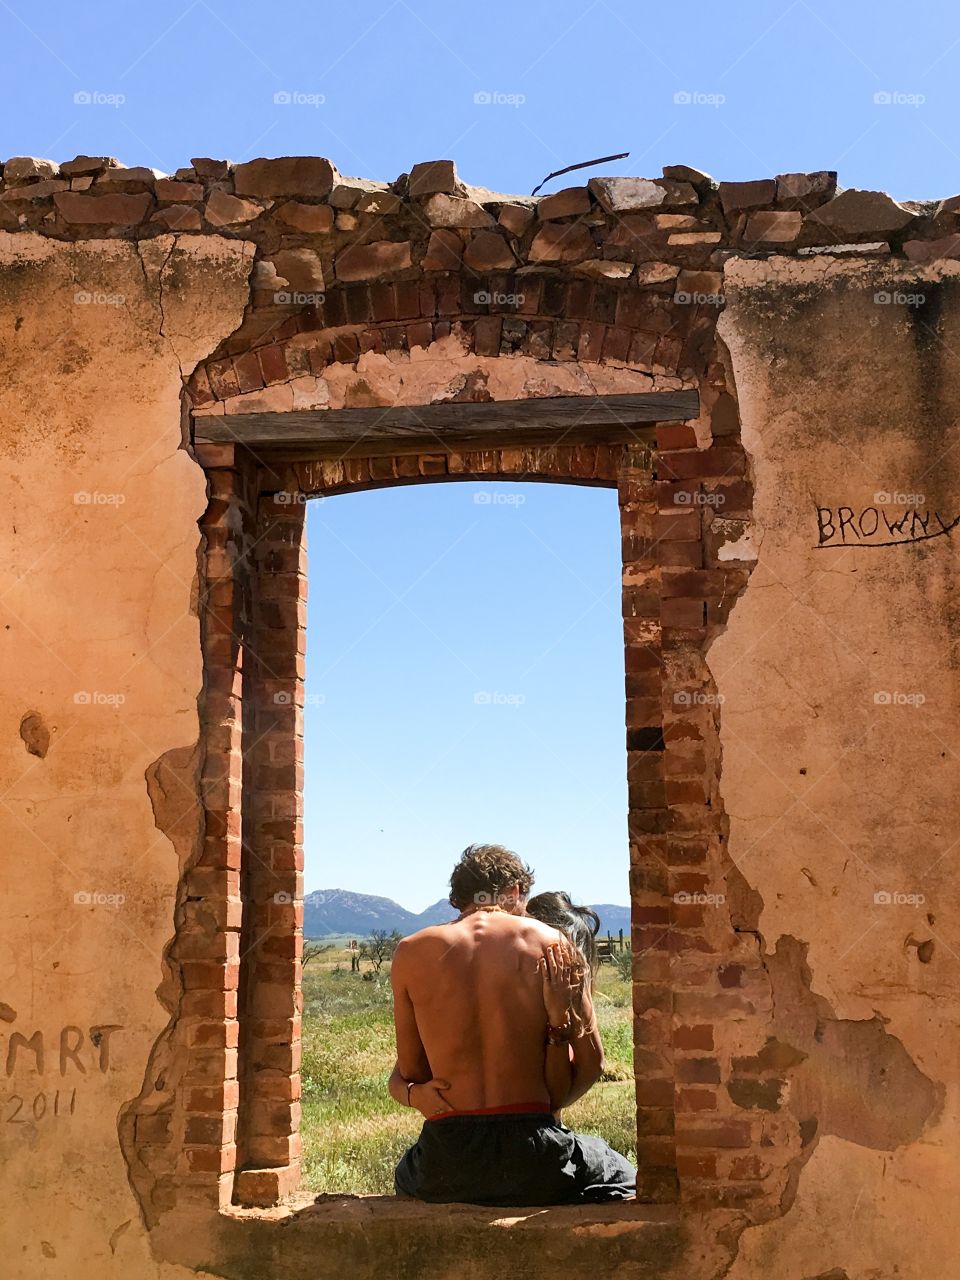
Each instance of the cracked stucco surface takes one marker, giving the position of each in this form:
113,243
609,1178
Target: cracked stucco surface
829,799
833,797
95,597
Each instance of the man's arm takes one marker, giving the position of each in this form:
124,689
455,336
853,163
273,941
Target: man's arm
412,1062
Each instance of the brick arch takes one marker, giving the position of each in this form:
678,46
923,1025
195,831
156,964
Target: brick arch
551,317
240,1140
287,484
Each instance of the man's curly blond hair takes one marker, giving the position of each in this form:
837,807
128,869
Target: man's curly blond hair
484,872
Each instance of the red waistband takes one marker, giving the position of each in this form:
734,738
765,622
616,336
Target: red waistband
512,1108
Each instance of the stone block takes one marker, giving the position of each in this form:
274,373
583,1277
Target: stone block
516,218
310,218
737,197
859,213
771,226
628,195
178,217
562,242
453,211
301,268
178,192
285,176
114,210
569,202
80,166
27,169
431,177
444,252
226,211
488,251
370,261
806,190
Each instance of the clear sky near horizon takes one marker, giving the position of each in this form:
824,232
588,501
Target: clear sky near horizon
423,598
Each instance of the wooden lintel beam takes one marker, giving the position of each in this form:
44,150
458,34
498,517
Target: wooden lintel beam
560,420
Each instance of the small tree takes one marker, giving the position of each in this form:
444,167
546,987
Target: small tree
379,947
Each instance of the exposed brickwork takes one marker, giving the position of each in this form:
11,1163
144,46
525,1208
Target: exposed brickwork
185,1125
698,1136
626,273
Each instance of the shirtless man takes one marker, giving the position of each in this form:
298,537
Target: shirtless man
486,1057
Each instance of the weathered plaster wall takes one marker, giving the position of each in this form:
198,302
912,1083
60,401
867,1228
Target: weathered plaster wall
95,607
826,1114
840,782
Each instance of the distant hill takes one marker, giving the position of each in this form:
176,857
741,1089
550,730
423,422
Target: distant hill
330,911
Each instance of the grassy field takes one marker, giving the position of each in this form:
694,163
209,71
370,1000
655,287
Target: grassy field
353,1131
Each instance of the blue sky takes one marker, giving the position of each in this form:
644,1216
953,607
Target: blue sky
404,767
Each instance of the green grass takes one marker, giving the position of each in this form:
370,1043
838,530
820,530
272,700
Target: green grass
353,1131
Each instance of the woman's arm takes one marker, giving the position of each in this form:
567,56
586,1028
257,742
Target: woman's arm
574,1059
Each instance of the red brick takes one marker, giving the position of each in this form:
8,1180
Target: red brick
695,1037
676,435
696,1166
247,368
684,526
684,465
654,1093
591,342
682,613
721,1136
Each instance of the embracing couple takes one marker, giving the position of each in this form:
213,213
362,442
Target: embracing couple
495,1034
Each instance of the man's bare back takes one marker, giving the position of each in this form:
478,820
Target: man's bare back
468,1002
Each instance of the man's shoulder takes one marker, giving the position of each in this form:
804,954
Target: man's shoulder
413,941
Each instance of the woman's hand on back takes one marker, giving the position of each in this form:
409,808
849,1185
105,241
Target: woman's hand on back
562,978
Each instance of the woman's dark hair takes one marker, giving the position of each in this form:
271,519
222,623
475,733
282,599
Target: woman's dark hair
580,924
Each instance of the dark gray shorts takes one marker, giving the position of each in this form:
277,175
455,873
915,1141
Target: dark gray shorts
511,1160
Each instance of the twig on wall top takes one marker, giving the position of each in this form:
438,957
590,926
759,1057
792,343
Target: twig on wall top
584,164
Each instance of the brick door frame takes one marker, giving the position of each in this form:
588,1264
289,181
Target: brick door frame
230,1131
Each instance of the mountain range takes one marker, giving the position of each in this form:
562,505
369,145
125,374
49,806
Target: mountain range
331,911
